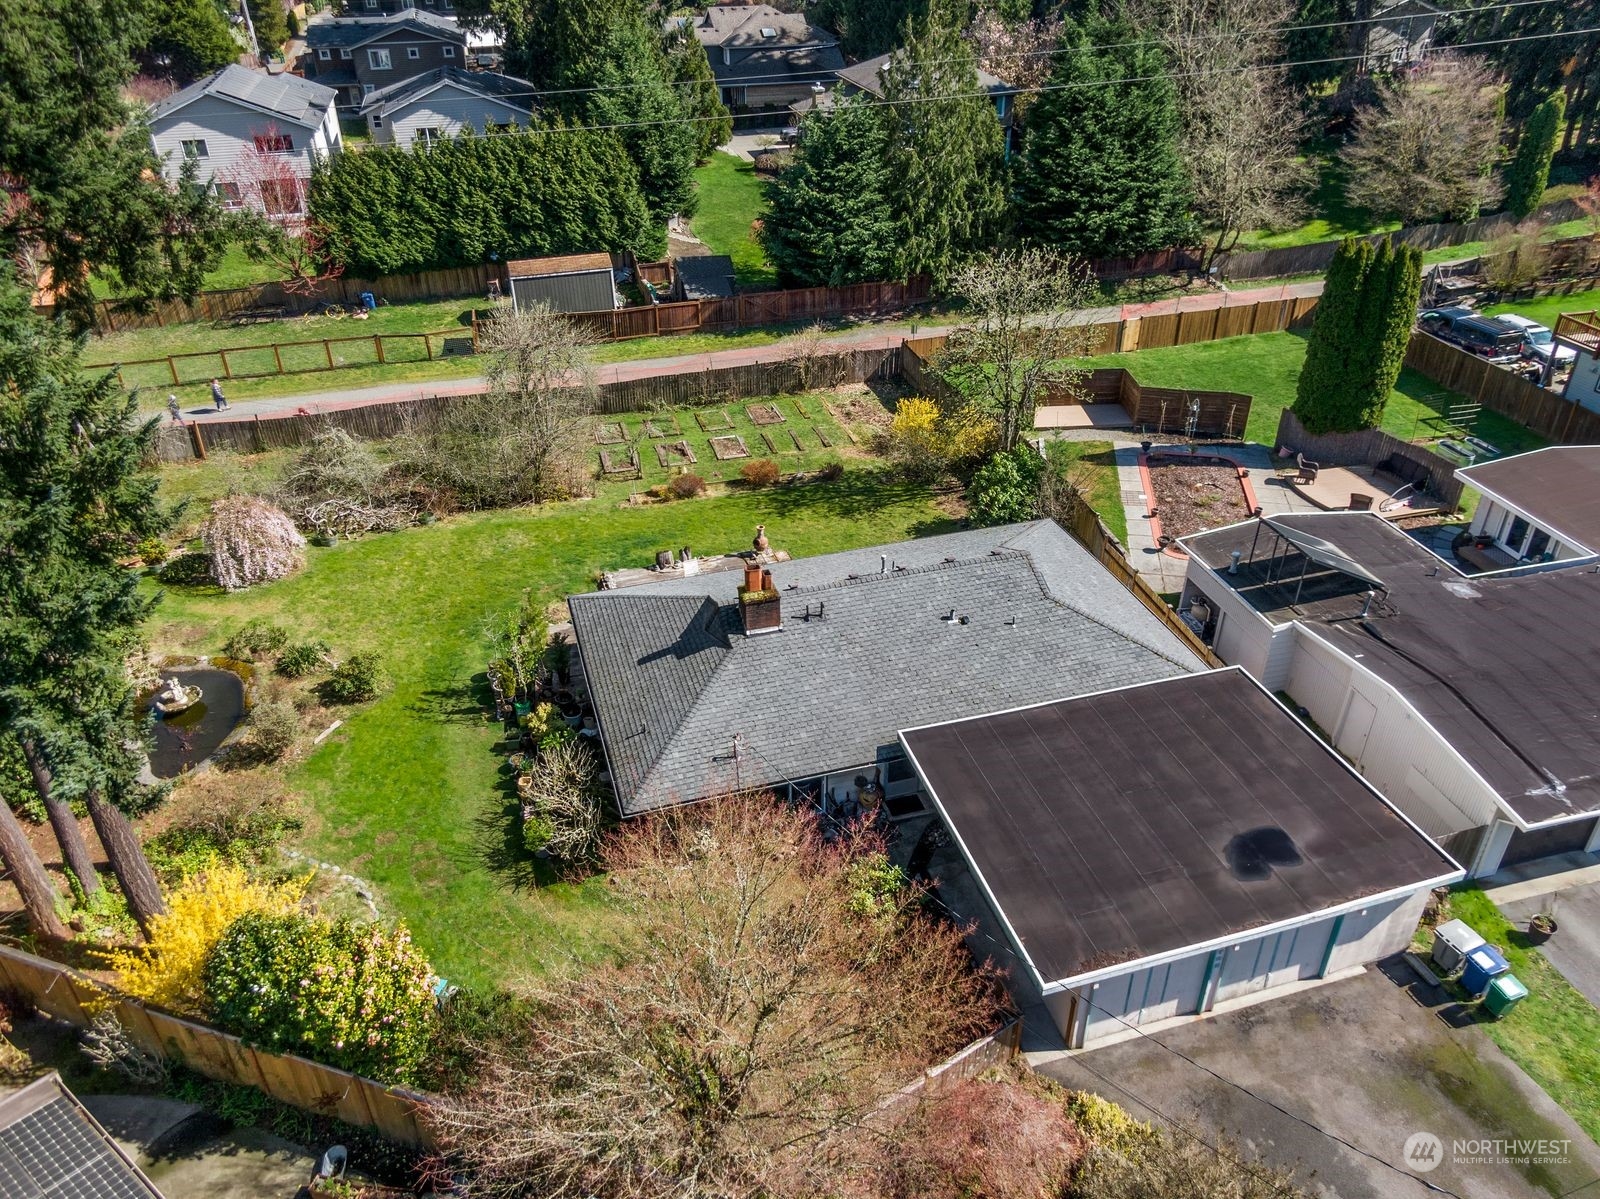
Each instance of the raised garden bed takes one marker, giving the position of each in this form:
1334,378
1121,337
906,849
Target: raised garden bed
613,462
1190,493
610,433
765,414
731,446
713,420
676,453
662,426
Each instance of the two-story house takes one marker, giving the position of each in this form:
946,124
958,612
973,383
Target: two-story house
252,136
361,55
445,102
763,58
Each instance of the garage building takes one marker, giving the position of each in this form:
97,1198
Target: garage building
1155,851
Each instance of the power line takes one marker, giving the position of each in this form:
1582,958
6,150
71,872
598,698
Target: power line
1042,88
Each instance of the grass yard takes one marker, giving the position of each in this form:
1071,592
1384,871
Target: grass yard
236,269
1545,309
1091,466
1553,1034
1267,367
730,201
410,793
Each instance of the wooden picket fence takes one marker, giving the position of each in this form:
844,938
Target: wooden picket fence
1547,413
60,991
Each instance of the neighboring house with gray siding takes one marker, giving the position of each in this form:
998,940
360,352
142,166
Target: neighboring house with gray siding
253,136
443,103
362,55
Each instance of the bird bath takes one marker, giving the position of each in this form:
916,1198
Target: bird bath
185,737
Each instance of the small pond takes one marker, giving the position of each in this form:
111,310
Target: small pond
184,740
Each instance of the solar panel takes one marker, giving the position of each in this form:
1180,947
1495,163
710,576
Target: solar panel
53,1151
1324,553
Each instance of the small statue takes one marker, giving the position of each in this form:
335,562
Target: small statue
176,698
761,543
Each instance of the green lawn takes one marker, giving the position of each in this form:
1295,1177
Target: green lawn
235,270
1554,1034
1091,466
410,793
1267,367
730,200
1545,309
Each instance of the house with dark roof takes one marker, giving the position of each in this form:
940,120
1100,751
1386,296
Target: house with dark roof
763,58
444,102
1469,699
1399,34
1541,506
252,136
800,677
1162,850
866,78
361,55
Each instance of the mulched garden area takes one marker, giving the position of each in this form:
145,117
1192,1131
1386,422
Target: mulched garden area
1194,496
729,447
765,414
610,433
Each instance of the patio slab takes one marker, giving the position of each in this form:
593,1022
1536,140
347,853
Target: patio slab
1336,485
1082,416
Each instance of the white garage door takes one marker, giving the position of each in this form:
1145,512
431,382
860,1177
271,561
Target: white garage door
1145,996
1274,960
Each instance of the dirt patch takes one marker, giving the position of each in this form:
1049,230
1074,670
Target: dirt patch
1194,496
729,447
862,408
765,414
677,453
610,433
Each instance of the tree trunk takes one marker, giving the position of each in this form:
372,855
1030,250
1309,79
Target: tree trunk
133,872
27,872
74,849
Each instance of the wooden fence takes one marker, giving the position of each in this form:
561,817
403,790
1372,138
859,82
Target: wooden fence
67,995
756,308
254,435
1545,412
1369,447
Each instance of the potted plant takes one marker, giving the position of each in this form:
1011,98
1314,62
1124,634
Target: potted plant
1542,925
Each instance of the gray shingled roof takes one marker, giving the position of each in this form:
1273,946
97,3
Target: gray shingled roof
288,96
740,26
868,76
506,88
350,32
674,679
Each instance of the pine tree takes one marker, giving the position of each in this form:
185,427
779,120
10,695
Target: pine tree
946,153
698,91
193,35
829,220
1334,339
1101,175
271,24
867,28
1529,171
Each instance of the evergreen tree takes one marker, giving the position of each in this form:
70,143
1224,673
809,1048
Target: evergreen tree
829,220
1529,171
1359,337
946,153
74,499
271,24
699,94
1101,174
867,28
193,35
1334,340
83,189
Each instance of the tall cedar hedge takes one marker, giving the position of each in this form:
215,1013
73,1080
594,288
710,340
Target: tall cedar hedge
524,193
1358,340
1529,171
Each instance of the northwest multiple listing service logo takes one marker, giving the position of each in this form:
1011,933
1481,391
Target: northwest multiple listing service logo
1423,1152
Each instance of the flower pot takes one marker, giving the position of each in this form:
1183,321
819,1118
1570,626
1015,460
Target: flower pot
1539,933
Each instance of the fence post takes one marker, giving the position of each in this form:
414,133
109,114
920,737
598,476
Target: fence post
377,344
277,357
197,439
171,366
327,351
427,344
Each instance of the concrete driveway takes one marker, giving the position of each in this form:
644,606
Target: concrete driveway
1368,1060
1575,948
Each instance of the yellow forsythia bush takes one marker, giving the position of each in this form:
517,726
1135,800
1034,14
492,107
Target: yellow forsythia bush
924,440
168,970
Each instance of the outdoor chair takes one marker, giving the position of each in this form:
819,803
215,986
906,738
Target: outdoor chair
1308,470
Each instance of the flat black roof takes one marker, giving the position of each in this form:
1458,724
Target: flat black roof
1502,666
1137,822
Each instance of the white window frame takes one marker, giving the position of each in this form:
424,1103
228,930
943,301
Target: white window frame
195,148
372,5
377,121
368,88
232,200
429,136
413,53
324,55
379,59
344,54
447,51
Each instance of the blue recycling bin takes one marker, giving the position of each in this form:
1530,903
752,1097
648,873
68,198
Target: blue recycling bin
369,301
1484,965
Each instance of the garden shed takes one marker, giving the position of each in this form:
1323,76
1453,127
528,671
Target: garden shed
568,283
1162,850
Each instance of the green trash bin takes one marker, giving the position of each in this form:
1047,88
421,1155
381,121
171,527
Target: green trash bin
1504,994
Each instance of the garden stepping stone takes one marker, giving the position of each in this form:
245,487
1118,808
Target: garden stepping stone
729,447
612,464
764,414
610,433
713,421
662,426
677,453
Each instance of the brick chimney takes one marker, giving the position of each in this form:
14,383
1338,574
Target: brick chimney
759,605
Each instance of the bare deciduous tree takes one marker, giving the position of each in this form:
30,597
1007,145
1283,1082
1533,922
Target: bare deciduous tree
1016,51
513,443
1516,258
1023,334
767,989
1423,150
563,809
1239,118
811,353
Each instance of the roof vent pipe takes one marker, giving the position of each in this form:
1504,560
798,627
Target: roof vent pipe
883,564
1233,566
1367,607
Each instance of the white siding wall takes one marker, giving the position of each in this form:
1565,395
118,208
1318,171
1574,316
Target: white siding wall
1397,751
229,131
1583,386
448,109
1385,929
1243,637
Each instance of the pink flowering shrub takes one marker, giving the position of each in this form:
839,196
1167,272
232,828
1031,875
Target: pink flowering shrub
250,541
356,996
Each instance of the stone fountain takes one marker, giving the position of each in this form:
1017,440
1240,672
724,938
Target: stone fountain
176,698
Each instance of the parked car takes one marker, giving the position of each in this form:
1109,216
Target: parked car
1538,343
1486,336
